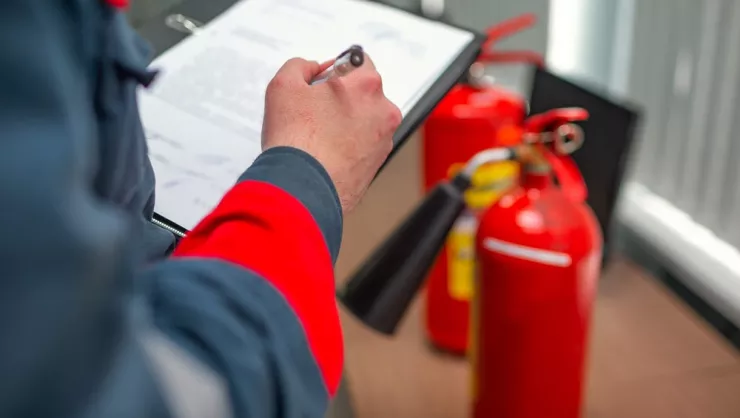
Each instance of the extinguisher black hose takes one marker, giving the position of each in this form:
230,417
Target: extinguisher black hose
381,290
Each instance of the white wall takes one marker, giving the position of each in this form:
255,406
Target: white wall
679,60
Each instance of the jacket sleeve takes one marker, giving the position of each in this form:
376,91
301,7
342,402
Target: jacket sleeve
241,321
263,276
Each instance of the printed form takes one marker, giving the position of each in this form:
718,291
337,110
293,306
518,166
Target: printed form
203,115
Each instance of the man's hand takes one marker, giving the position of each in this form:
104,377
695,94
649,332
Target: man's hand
347,123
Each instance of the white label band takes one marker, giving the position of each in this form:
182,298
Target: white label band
537,255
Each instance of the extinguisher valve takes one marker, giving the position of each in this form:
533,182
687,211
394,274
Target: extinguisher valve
564,139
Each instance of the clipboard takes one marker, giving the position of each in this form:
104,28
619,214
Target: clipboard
163,36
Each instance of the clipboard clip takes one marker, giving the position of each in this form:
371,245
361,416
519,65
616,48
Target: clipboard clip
182,23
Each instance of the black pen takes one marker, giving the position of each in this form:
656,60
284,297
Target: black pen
345,63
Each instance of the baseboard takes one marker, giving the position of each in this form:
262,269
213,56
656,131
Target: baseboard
696,265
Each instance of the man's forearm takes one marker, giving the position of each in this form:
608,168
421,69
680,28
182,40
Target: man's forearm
241,321
283,222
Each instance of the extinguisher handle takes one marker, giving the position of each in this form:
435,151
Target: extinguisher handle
509,27
530,57
569,176
552,119
504,29
558,122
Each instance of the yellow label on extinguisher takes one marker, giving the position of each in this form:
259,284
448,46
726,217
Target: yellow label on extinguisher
489,182
461,257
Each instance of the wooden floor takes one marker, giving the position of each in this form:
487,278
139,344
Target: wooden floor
650,355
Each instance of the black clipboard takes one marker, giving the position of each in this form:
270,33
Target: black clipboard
162,37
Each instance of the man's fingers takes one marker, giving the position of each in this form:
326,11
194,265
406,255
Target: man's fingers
367,67
325,65
297,70
366,77
369,62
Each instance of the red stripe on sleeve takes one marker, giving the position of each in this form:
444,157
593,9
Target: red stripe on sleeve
263,228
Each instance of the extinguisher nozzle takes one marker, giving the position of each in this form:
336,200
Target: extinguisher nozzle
381,290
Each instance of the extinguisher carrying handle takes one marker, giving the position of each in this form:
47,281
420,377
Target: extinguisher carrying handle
552,119
566,137
509,27
505,29
512,56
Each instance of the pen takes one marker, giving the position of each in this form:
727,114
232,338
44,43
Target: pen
345,63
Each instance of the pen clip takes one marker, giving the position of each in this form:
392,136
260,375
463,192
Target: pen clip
183,24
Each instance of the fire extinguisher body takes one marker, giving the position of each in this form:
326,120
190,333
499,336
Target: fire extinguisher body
467,121
539,255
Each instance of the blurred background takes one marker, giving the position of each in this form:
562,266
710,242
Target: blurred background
665,337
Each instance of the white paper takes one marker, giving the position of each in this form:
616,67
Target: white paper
203,116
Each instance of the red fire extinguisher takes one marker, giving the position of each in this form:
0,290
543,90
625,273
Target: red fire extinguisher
474,116
539,255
